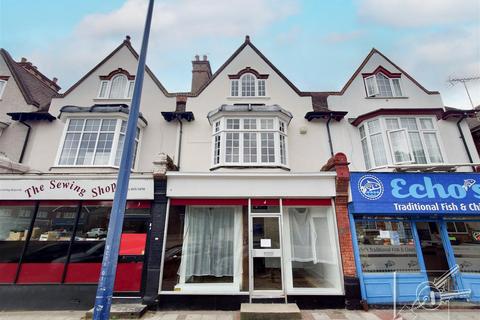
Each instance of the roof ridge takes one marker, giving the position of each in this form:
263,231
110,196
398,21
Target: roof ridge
125,43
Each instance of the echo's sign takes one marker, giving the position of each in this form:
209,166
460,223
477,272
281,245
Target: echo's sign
415,193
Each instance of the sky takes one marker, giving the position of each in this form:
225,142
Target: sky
316,44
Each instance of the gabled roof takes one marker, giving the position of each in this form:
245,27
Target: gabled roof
35,92
126,43
359,69
235,54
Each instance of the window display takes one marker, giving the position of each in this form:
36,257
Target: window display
390,247
465,240
15,220
203,248
313,248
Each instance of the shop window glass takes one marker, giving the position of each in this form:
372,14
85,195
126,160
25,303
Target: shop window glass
203,249
14,223
466,244
88,246
313,248
387,248
47,250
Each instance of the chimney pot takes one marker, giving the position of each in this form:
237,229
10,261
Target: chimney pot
197,57
247,38
127,38
55,79
23,60
204,57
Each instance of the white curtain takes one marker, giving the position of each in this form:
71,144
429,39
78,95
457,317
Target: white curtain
310,236
117,90
208,243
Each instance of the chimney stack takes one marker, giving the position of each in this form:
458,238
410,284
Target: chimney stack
201,72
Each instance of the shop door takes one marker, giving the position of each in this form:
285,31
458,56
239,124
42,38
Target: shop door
266,274
434,252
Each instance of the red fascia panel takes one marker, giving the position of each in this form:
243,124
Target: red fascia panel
307,202
41,273
58,203
7,272
265,202
438,112
143,204
18,203
384,71
83,272
208,202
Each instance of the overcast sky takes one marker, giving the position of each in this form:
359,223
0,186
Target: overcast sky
316,44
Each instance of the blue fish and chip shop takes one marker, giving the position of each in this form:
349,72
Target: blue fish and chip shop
412,228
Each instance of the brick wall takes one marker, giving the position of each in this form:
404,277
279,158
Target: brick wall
339,164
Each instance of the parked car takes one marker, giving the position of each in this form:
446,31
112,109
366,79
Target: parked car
97,233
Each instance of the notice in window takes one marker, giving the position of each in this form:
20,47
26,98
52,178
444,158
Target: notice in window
265,243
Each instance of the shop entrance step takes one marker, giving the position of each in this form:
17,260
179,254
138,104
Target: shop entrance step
264,311
123,311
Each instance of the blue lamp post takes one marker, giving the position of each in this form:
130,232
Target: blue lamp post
103,298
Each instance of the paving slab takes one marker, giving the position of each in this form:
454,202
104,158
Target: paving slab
265,311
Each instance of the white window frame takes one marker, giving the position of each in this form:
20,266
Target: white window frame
234,286
108,83
376,92
256,86
113,152
386,140
2,88
222,131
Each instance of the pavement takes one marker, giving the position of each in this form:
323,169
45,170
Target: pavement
327,314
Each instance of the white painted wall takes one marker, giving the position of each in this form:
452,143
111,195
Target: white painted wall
346,138
12,100
306,152
158,136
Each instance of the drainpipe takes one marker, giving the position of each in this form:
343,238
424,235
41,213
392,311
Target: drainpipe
329,134
25,141
179,119
464,141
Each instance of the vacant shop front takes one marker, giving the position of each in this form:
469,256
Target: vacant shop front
219,252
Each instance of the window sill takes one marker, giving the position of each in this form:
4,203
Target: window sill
248,98
85,167
249,167
386,98
112,99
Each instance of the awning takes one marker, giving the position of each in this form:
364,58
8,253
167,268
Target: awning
249,108
170,116
100,108
31,116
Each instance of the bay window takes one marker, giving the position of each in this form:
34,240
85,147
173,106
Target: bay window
400,140
249,141
94,142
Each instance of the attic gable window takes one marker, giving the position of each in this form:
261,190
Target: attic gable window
248,83
3,84
117,85
382,83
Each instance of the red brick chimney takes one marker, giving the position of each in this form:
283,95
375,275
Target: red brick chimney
201,73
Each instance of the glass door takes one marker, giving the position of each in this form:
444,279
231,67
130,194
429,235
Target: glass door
266,274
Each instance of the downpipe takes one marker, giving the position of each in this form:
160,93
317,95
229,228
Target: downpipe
462,136
25,142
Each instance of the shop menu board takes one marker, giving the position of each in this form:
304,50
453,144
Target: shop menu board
415,193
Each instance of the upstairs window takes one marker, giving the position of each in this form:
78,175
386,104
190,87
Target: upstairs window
94,142
3,84
117,85
382,83
400,140
248,83
249,142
